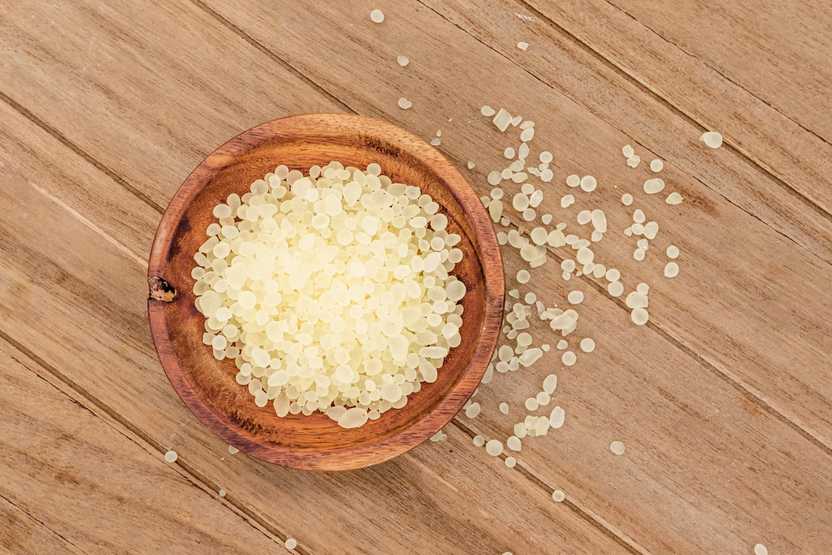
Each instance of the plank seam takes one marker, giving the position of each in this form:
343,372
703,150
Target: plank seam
734,382
91,226
588,516
120,180
789,189
753,162
271,55
149,449
789,238
64,140
193,475
715,69
42,523
25,112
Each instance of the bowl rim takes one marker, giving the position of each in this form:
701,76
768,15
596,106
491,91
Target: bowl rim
357,455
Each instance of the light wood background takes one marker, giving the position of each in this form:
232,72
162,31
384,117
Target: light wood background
724,400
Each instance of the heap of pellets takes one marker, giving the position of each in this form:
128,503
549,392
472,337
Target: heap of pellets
331,291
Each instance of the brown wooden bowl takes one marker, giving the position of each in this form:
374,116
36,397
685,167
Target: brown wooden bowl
207,386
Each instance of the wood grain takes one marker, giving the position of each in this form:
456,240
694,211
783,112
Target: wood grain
704,466
579,80
69,467
707,228
426,497
778,53
22,532
208,387
685,76
746,369
723,403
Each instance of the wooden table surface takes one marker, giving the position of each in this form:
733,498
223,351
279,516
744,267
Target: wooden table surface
724,400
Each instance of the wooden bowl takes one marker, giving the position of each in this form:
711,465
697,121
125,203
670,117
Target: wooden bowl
207,386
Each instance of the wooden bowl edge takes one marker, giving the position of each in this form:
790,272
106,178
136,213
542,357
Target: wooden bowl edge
370,453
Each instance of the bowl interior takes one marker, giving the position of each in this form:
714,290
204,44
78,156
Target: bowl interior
208,386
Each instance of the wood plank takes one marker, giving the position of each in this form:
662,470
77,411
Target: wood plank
89,484
115,67
757,280
22,533
778,52
68,289
121,54
704,466
726,249
429,125
706,92
106,211
803,398
726,529
642,120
